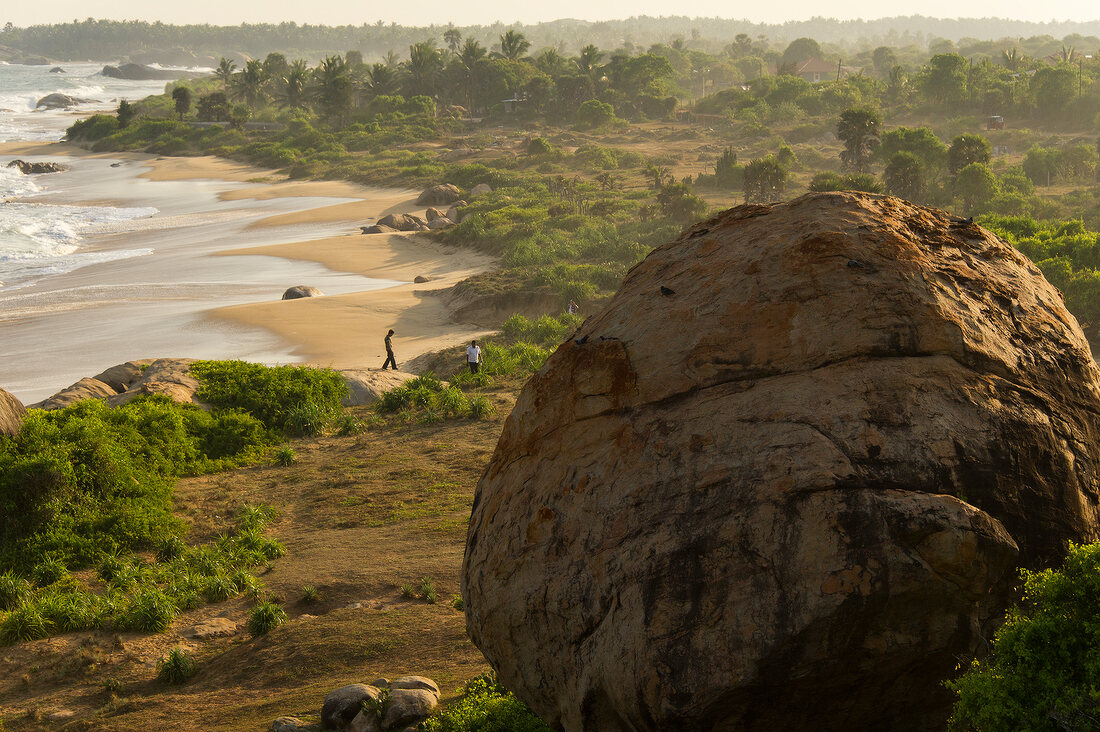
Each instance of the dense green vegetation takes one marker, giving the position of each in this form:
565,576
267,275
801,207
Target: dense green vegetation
1043,672
485,707
89,486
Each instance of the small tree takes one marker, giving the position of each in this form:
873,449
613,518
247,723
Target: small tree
727,173
903,176
966,149
678,203
125,113
213,107
181,95
859,129
594,113
975,185
765,180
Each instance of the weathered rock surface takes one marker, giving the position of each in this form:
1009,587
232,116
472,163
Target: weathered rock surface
341,706
210,628
300,291
406,706
480,190
783,479
293,724
431,214
170,377
421,279
440,195
377,229
441,222
11,413
57,100
415,682
36,168
403,222
365,385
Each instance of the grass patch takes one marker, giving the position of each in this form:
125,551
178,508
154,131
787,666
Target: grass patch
176,667
485,706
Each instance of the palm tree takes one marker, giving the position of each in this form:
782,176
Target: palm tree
1011,60
550,62
333,88
423,68
225,72
392,59
248,85
452,38
381,80
589,59
295,91
471,53
513,44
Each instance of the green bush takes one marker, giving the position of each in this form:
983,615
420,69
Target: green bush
23,624
265,617
13,589
1043,671
485,707
176,667
271,394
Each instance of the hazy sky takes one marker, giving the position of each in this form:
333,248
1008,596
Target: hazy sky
479,12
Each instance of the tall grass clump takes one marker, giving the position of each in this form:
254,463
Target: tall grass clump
430,399
176,666
265,617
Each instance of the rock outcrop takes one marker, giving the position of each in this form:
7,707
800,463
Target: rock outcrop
170,377
377,229
140,72
36,168
57,100
11,414
366,385
403,222
299,291
407,701
784,479
439,195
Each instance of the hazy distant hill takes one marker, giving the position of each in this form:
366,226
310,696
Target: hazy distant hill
105,39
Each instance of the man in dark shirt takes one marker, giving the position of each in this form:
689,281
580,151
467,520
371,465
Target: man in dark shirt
390,361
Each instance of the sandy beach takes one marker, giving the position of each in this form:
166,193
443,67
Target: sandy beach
229,239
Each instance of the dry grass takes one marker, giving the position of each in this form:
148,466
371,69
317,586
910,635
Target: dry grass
360,517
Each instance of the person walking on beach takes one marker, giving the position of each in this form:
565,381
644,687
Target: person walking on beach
473,356
389,352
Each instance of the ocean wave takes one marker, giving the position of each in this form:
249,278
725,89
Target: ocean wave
15,184
16,275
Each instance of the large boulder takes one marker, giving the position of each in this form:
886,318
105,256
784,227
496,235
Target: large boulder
403,222
783,480
170,377
342,706
57,100
11,414
439,195
37,168
365,386
86,388
299,291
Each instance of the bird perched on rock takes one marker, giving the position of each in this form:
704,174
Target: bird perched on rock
667,291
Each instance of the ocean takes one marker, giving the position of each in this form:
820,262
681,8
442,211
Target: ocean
39,239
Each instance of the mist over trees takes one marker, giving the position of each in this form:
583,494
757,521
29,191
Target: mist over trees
109,39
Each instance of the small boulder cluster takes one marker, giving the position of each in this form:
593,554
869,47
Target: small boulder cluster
36,168
400,704
170,377
444,210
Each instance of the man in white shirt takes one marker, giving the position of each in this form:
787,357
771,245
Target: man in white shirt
473,356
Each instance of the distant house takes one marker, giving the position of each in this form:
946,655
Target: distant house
815,70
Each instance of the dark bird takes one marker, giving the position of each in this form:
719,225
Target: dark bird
855,263
962,222
667,291
608,338
581,341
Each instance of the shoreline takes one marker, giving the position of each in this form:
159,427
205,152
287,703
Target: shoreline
280,225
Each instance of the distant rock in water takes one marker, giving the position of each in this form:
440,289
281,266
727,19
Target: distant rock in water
57,100
767,488
140,72
402,222
57,70
300,291
36,168
11,414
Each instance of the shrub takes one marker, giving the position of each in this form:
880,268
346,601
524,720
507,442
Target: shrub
265,617
176,667
286,457
486,706
269,394
427,590
306,420
310,594
13,589
23,624
150,611
594,113
1042,673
